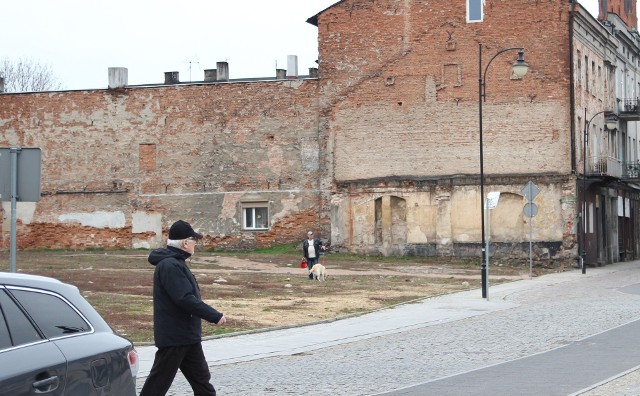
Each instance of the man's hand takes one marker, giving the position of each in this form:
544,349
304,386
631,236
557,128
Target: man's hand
222,320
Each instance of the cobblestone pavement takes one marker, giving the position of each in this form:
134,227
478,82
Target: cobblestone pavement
544,317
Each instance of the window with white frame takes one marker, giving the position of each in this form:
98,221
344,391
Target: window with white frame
475,10
255,215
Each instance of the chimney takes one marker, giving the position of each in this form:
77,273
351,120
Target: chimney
1,84
313,72
210,75
223,71
292,66
625,9
171,77
281,74
118,77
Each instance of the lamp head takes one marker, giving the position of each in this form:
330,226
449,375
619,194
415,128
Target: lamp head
611,120
521,67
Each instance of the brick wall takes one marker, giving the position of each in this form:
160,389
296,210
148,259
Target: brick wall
400,85
403,78
113,159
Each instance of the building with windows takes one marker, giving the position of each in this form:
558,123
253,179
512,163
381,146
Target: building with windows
378,149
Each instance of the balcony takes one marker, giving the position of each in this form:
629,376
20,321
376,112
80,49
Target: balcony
629,109
631,170
604,166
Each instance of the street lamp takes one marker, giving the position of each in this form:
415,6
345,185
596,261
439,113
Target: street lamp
611,122
519,69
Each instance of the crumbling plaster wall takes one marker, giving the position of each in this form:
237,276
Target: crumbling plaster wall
444,219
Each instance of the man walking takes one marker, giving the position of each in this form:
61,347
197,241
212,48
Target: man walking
177,313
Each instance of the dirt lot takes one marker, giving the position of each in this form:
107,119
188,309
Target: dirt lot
259,290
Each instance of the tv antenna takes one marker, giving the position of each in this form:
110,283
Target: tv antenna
190,65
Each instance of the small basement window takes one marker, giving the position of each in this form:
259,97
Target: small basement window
475,10
255,215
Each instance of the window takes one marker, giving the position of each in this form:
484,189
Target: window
586,73
20,329
53,315
255,215
579,71
475,10
593,76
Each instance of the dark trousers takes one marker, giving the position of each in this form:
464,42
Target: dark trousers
190,360
310,263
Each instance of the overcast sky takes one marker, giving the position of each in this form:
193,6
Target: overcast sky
81,39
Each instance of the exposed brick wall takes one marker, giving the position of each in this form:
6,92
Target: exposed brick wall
176,150
411,89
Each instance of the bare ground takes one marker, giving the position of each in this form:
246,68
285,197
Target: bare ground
264,290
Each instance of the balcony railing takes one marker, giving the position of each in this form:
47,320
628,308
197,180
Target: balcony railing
630,105
604,166
629,109
631,170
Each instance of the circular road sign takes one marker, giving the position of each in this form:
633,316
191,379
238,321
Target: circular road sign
530,209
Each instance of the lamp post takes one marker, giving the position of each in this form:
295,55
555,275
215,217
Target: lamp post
519,69
610,123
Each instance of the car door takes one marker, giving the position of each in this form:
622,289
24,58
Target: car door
63,325
29,363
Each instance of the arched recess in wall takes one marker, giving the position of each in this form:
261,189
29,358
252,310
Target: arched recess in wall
398,221
390,227
506,222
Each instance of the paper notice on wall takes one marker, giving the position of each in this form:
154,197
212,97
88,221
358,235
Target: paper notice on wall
492,199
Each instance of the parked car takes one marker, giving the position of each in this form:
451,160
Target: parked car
53,342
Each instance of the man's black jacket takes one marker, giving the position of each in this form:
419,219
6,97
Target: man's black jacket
177,306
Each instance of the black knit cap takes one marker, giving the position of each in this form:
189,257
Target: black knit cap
182,230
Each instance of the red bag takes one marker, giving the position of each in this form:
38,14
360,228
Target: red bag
303,263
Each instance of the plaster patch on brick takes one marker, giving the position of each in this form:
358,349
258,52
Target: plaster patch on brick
289,207
275,160
229,209
143,222
406,36
295,84
147,230
95,219
24,213
310,155
430,90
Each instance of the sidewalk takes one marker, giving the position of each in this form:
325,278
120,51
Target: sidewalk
407,317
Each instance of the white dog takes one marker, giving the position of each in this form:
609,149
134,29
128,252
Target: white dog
319,272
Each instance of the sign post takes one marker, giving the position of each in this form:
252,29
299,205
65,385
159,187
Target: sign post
530,191
492,202
19,180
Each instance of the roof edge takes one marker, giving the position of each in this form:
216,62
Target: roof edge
314,19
